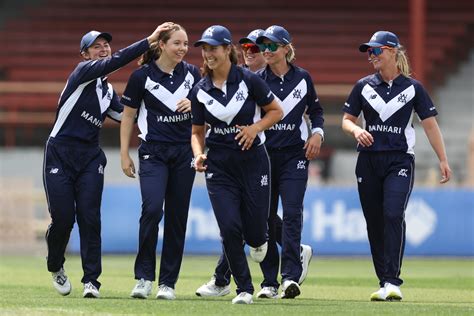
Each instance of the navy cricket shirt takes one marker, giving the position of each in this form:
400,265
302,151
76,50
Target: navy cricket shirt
297,96
388,109
239,104
156,93
88,98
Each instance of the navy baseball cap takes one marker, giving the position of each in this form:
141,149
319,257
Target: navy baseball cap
215,35
252,37
90,37
380,38
276,34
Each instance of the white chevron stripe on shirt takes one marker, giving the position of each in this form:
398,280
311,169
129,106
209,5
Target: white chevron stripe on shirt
67,107
142,121
170,100
104,101
387,109
221,112
290,101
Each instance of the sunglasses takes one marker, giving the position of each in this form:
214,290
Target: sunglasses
272,47
376,51
252,48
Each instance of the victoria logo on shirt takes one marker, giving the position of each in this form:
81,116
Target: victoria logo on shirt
297,94
187,84
239,96
402,98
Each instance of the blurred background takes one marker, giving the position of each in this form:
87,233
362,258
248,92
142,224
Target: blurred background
40,41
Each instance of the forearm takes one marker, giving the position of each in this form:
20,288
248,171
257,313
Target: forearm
197,140
126,128
435,138
270,118
349,126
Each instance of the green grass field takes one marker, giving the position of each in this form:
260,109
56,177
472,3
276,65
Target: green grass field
340,286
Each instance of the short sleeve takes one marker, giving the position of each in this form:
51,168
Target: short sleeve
353,104
133,94
423,105
197,108
260,90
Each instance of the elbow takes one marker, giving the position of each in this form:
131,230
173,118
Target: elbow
279,115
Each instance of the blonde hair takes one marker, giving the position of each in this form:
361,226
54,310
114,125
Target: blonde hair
291,55
154,52
403,65
233,57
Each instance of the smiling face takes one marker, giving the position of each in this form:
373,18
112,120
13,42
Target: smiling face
176,47
100,49
215,56
253,59
277,56
384,60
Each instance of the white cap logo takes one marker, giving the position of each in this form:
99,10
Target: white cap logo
270,29
209,32
254,33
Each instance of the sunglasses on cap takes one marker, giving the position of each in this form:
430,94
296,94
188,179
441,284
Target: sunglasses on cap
273,47
252,48
376,51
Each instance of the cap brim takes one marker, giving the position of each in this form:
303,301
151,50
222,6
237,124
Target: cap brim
209,41
364,47
105,35
244,40
270,37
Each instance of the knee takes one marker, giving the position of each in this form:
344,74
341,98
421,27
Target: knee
394,215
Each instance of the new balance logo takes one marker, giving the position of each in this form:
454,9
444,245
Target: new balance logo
100,169
209,175
403,173
264,181
54,170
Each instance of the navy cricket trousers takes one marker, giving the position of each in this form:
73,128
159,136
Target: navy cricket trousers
385,181
238,184
289,172
222,273
166,180
73,178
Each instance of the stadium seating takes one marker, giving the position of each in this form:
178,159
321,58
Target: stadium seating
43,41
